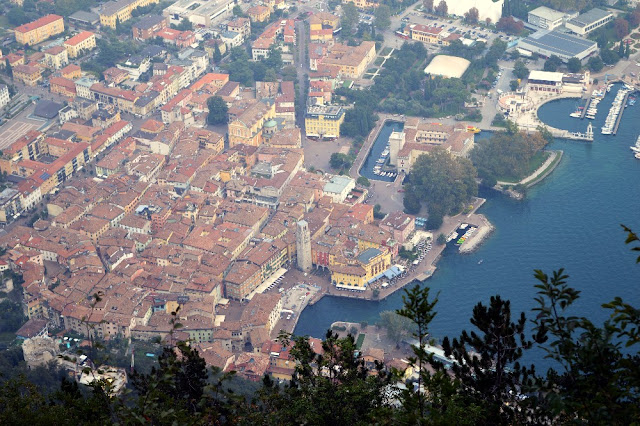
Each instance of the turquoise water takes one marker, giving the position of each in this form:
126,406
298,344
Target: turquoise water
571,219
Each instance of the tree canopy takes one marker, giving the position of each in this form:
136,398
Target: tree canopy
445,183
506,155
482,379
217,110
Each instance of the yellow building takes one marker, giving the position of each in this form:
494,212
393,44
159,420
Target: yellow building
424,33
39,30
359,271
81,42
321,26
362,4
351,61
120,10
323,121
27,74
258,13
247,128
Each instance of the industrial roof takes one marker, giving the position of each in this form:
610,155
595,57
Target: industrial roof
47,109
590,17
447,66
557,43
547,13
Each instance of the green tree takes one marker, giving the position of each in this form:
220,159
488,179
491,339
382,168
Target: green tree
237,11
349,18
445,183
442,9
411,203
574,65
363,181
513,85
609,57
552,63
377,212
398,327
506,155
339,161
217,110
217,56
595,63
11,316
492,377
472,16
520,70
383,17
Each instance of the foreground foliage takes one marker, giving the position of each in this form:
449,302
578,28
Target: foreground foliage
481,379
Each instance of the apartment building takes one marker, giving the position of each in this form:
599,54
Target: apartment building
323,121
120,10
27,74
146,27
4,95
79,43
39,30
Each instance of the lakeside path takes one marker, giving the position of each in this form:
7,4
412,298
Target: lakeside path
423,271
541,172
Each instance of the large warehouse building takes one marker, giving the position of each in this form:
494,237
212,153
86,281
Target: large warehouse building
447,66
565,46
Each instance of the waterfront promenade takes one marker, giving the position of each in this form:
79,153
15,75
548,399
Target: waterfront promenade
421,272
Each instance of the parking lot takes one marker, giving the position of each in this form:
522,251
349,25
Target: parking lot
18,127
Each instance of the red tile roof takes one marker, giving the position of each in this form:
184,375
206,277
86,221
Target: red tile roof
30,26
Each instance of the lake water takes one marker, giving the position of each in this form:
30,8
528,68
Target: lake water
571,219
378,146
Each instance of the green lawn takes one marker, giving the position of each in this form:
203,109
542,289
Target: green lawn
385,51
538,159
360,341
372,70
378,61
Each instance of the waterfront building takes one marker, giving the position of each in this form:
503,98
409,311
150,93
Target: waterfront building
545,81
545,18
303,246
39,30
589,21
359,270
565,46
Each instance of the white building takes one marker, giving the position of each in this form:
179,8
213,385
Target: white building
339,187
4,95
486,8
203,13
589,21
545,18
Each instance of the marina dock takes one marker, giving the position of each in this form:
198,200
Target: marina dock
586,107
624,103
